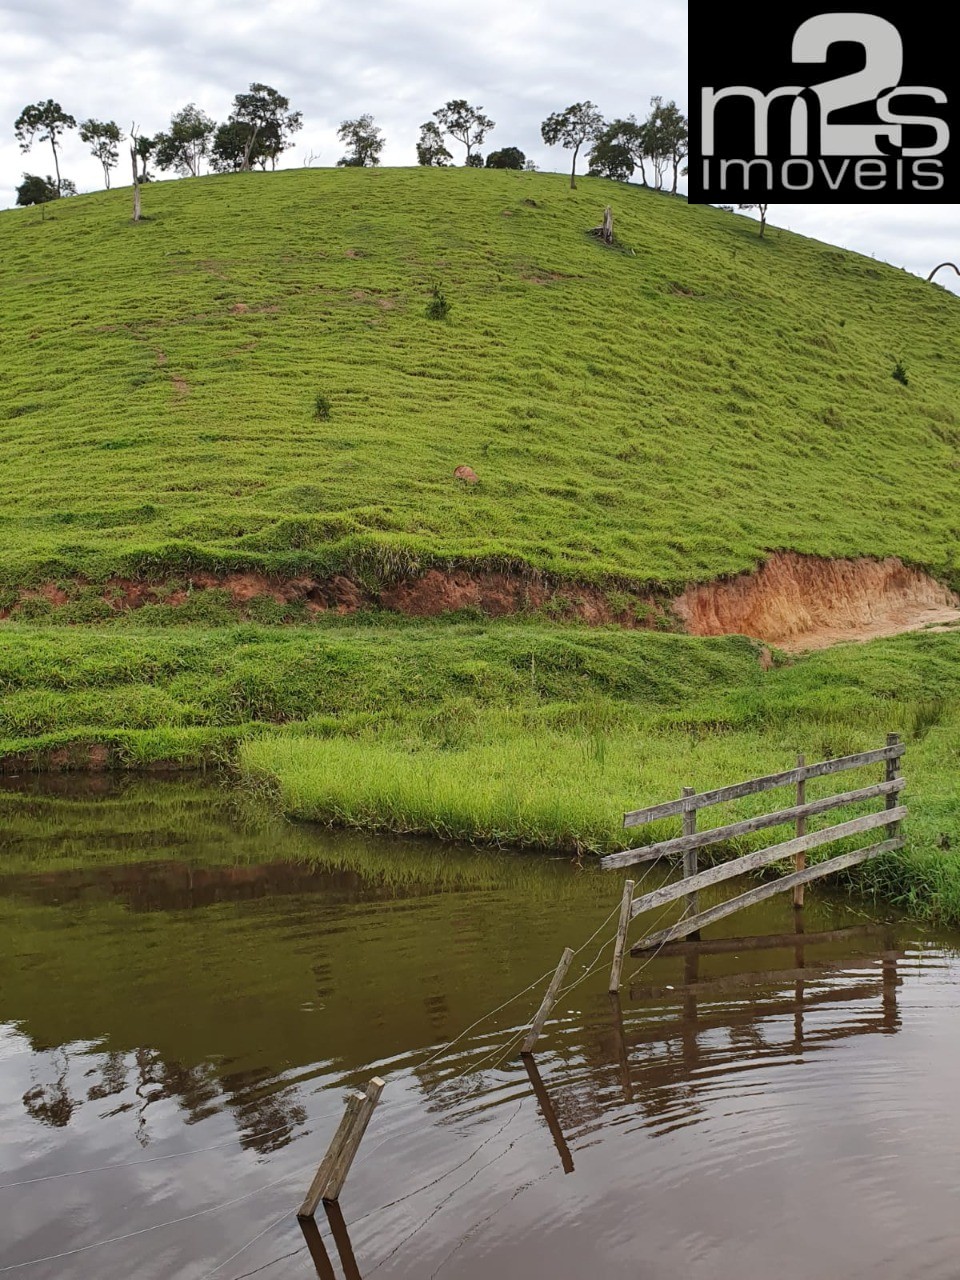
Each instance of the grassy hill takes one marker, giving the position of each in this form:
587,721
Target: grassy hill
661,412
664,411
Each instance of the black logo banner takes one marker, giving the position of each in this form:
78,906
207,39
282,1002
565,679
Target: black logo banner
795,105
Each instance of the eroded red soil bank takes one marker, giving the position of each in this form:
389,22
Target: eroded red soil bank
792,601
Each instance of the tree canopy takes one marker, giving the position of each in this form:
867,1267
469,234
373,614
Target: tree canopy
46,121
187,142
104,138
468,125
506,158
430,146
571,128
36,190
262,119
363,141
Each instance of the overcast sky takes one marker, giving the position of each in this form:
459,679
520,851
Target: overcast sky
400,60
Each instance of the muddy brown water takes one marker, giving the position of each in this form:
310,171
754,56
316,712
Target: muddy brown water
187,988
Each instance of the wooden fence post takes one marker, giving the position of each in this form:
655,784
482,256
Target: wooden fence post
690,858
801,858
621,942
332,1173
892,772
549,1000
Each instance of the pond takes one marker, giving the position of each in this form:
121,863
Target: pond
188,987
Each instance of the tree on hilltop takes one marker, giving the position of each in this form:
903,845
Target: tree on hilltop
262,122
571,129
506,158
655,146
187,142
465,123
669,124
364,142
36,190
430,148
234,148
612,153
46,121
143,147
104,137
762,210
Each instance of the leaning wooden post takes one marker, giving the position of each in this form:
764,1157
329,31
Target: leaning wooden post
549,1000
801,858
690,857
332,1173
621,942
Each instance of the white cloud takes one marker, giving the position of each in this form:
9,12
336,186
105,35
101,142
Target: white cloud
399,59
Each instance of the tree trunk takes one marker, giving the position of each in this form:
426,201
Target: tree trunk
136,184
106,176
56,162
573,171
247,150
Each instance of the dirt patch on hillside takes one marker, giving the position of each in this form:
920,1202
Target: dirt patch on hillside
806,602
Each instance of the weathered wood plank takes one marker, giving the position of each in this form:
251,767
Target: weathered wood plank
740,789
344,1156
801,858
893,774
548,1001
690,854
747,826
320,1178
770,941
763,857
622,927
840,863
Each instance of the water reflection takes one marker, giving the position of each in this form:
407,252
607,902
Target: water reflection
186,991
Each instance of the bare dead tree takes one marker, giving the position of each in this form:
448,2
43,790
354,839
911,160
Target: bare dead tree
136,176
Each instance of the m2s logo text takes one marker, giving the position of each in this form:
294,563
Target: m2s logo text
869,131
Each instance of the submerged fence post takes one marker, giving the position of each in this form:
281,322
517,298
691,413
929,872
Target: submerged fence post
332,1173
621,942
549,1000
690,861
801,857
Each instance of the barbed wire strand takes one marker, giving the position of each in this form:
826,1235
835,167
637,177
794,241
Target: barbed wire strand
172,1222
272,1263
446,1200
427,1185
252,1241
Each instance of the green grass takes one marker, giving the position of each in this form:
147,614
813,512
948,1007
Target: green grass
521,734
655,415
250,379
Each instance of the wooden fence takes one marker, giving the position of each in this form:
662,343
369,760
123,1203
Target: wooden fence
691,802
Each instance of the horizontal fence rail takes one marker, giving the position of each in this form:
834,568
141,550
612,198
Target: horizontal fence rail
682,844
740,789
693,880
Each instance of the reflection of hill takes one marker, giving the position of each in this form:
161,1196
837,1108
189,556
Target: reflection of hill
169,942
